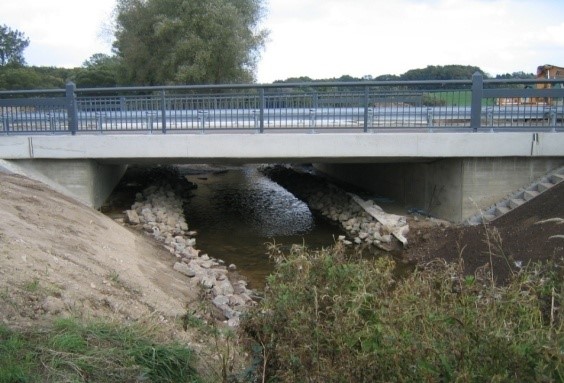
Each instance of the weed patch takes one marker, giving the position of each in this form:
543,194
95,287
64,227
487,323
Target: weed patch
327,317
72,351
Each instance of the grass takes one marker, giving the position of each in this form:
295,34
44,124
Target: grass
32,286
72,351
327,317
452,98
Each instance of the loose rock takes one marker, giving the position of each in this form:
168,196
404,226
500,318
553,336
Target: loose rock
159,211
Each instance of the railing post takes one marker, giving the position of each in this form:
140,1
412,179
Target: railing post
5,124
262,102
72,111
150,119
430,117
476,106
163,111
489,119
552,119
370,120
202,120
255,113
366,109
312,119
99,121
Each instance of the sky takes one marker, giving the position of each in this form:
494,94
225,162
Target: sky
325,39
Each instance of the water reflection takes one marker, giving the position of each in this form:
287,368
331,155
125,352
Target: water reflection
239,210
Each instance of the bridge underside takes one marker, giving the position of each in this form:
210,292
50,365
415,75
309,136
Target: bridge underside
87,181
452,189
451,175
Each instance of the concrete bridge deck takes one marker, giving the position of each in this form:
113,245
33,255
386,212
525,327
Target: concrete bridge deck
450,175
281,147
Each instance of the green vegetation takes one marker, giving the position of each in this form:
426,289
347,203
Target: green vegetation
451,98
12,46
71,351
327,317
188,42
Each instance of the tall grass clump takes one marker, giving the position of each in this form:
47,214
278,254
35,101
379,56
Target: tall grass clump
328,317
74,351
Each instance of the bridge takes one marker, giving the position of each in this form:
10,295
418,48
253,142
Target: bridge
449,147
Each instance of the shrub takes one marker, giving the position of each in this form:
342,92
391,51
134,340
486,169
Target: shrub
327,317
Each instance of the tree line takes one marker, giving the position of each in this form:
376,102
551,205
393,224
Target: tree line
157,42
179,42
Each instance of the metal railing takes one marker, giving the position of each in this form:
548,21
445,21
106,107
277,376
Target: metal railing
367,106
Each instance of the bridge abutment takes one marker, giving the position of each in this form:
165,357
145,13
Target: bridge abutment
452,189
87,181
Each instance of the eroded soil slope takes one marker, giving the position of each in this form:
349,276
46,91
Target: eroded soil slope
59,257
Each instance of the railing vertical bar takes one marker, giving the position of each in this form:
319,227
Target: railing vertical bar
163,111
366,90
262,104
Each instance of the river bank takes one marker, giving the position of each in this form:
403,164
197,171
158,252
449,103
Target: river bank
59,258
158,211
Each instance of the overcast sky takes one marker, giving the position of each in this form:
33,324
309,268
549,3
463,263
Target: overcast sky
330,38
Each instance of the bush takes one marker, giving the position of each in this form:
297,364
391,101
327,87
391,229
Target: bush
327,317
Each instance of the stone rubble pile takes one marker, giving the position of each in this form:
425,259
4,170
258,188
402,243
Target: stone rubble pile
158,211
363,221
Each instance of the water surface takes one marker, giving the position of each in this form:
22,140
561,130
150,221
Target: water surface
236,212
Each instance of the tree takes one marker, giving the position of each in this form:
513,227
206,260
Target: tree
446,72
515,75
100,70
12,77
12,45
188,41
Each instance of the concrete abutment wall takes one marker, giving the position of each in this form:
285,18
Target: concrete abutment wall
452,189
87,181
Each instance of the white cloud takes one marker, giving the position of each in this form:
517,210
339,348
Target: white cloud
376,37
61,32
330,38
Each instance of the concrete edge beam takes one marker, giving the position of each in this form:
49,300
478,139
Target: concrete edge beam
330,147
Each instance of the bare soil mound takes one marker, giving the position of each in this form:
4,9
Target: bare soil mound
58,257
511,241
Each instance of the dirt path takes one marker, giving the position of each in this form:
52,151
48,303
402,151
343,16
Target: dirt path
59,257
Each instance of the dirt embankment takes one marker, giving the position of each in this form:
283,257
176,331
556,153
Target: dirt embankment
530,233
59,257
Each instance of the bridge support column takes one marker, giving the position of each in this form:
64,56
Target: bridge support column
452,189
87,181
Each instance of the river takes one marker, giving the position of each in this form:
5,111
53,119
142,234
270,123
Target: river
236,211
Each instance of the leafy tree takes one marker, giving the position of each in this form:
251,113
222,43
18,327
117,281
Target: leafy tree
515,75
438,72
100,70
12,45
188,41
13,78
387,77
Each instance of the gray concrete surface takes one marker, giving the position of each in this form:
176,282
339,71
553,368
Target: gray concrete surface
297,147
452,188
85,180
450,174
